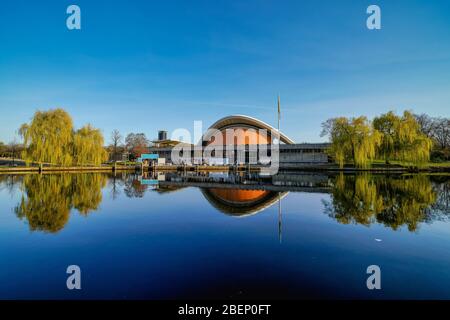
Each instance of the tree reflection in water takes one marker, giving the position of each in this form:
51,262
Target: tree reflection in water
47,199
394,201
133,188
10,183
441,209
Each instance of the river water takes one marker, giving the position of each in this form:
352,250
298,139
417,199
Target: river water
217,235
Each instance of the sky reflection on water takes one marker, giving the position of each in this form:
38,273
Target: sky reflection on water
224,236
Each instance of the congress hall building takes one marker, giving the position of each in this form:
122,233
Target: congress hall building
240,140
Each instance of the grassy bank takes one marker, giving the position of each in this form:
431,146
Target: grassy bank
65,169
375,166
403,164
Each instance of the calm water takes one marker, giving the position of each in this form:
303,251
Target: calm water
224,236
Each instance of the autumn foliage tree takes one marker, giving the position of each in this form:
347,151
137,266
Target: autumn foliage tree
136,144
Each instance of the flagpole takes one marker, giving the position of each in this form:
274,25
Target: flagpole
279,194
279,112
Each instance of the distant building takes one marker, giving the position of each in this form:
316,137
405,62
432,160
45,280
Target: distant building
163,146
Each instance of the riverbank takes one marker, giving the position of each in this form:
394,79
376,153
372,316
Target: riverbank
330,167
65,169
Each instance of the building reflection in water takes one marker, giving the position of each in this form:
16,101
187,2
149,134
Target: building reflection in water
395,201
241,203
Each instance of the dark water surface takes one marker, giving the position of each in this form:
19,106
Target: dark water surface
224,236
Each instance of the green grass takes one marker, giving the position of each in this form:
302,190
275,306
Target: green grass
445,164
395,163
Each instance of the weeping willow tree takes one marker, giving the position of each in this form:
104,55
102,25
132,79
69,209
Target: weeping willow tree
88,146
48,138
352,140
402,138
386,124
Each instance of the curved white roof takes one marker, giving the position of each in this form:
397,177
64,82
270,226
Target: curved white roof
239,119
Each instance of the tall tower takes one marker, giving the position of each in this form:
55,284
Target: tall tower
162,135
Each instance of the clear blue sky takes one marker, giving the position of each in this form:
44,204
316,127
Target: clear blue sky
140,66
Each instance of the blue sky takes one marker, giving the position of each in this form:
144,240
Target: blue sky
140,66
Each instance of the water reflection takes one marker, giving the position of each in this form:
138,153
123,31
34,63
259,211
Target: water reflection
9,183
441,208
47,199
238,202
394,201
134,188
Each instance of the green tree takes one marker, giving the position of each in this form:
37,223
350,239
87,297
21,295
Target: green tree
387,125
352,140
88,146
48,138
402,138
